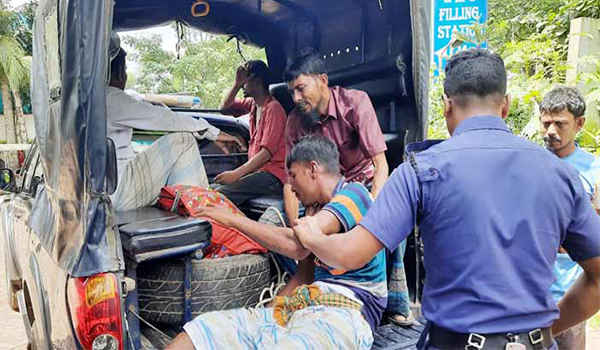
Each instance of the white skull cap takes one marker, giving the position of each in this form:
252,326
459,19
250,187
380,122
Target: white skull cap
114,46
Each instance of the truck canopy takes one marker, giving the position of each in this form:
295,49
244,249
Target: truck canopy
379,46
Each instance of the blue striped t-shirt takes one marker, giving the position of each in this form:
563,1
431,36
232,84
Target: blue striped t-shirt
349,204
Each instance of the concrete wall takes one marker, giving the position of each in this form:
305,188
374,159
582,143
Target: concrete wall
584,40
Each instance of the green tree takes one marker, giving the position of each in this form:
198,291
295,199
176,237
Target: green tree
14,74
532,37
205,69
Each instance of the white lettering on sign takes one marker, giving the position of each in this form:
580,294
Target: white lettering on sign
445,32
460,14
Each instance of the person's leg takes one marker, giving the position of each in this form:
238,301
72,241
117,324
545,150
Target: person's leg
323,327
228,329
317,327
572,339
398,308
172,159
181,342
257,184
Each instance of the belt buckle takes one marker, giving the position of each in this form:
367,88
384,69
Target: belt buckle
475,341
536,336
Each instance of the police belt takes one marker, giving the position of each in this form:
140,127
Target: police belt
537,339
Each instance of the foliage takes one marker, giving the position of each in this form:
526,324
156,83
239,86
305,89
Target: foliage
24,27
205,69
532,37
437,123
13,68
594,322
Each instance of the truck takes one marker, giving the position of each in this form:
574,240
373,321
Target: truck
84,276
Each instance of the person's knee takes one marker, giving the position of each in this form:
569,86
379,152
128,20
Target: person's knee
182,137
181,342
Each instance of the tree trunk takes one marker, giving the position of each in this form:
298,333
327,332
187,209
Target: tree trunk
7,125
8,119
21,128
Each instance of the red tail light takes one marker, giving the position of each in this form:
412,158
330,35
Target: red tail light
95,307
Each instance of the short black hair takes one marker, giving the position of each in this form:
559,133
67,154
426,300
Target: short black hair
474,72
260,69
308,63
315,148
561,98
117,64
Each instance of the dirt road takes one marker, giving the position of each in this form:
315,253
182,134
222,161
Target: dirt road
12,333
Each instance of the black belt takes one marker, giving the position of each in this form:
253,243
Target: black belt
537,339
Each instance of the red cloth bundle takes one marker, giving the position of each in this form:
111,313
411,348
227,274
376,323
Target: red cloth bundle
226,241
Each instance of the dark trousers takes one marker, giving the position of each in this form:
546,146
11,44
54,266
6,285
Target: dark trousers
554,347
572,339
257,184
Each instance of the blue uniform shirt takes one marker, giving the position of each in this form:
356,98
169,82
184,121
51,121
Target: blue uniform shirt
493,209
565,269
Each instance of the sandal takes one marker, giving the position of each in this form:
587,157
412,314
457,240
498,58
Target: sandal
401,320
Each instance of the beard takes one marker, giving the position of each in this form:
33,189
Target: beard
311,118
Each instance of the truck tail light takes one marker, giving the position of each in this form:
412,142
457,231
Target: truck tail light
95,306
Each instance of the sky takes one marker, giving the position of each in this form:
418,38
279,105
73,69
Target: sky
167,33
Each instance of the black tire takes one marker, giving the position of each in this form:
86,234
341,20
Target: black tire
217,284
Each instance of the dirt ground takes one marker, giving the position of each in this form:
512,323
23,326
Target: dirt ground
12,334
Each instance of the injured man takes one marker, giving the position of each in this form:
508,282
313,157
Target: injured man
321,307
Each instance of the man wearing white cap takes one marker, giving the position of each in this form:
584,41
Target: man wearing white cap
172,159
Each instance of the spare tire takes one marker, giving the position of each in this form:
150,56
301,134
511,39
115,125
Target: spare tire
217,284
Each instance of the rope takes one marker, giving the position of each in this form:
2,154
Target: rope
151,326
275,287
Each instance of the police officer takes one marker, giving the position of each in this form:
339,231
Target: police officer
493,210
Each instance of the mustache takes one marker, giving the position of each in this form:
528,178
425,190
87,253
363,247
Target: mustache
548,139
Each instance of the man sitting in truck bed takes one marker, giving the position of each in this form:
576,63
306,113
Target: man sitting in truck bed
172,159
263,173
328,308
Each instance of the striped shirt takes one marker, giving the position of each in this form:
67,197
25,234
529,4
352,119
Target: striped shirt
349,204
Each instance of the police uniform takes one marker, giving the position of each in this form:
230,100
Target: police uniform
493,209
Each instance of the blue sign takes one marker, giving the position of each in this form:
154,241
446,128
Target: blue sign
454,16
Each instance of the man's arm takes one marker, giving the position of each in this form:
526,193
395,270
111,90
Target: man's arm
290,204
272,123
582,300
241,76
252,165
136,114
381,173
359,245
304,275
278,239
371,139
389,220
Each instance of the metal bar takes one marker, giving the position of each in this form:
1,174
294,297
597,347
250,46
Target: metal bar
362,4
393,116
14,147
187,289
170,252
363,33
132,307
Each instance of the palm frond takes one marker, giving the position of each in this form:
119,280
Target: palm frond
12,65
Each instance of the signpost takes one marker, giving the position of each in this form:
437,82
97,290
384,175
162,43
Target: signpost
454,16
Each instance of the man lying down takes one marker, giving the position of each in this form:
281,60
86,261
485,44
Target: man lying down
320,308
